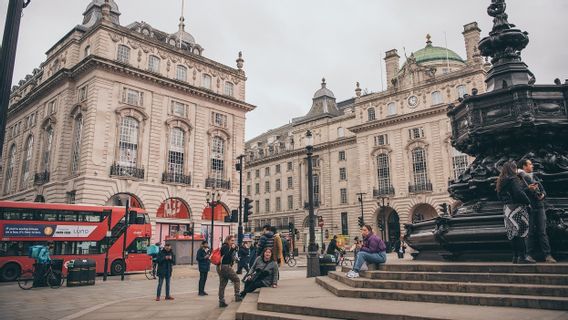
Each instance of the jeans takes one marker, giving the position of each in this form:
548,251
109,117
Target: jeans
241,267
227,273
202,279
363,257
250,286
160,282
537,232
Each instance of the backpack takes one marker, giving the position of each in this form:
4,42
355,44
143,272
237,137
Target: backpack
34,251
216,257
152,250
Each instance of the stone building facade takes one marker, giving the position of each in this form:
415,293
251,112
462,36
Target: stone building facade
118,112
392,146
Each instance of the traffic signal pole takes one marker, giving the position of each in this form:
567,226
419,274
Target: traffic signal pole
240,234
362,221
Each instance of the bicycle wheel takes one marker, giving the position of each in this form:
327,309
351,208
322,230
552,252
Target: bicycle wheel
26,279
292,262
54,279
149,273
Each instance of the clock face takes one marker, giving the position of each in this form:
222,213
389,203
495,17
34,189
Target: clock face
413,101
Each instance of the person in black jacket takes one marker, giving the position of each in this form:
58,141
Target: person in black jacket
204,263
266,240
244,257
226,272
510,190
166,259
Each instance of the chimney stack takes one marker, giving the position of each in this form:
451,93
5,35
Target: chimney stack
392,60
472,35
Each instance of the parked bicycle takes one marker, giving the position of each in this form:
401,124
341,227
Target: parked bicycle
53,278
342,260
151,273
290,260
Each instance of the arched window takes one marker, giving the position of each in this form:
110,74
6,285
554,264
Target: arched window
123,54
87,50
176,154
10,169
76,143
383,175
181,73
229,89
218,158
153,64
420,170
47,147
462,91
26,163
391,109
206,81
371,114
128,142
437,97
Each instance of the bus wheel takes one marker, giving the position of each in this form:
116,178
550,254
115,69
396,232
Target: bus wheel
116,267
10,272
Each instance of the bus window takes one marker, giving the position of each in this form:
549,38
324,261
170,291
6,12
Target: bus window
9,214
140,219
139,245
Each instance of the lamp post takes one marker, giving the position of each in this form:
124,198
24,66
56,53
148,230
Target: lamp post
213,199
313,260
383,207
240,230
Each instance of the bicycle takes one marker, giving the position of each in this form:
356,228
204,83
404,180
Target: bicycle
289,259
342,261
151,273
54,278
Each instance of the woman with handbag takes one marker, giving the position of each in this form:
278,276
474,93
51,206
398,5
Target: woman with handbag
510,190
263,273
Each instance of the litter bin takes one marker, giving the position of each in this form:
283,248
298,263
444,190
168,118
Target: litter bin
81,272
328,263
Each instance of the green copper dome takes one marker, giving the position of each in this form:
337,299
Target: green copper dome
432,53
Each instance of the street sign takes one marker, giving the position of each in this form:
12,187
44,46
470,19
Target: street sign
320,221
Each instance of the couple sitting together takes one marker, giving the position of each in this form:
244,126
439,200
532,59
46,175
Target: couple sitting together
372,250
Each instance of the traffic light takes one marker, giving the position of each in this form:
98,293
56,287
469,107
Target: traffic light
247,209
234,217
291,227
360,221
444,209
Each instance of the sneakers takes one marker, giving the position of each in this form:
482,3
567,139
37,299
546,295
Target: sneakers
170,298
550,259
222,304
352,274
238,298
529,259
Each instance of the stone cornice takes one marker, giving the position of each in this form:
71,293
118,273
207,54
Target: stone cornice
441,109
301,151
114,66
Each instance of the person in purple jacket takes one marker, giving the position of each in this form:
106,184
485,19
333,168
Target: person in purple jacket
372,251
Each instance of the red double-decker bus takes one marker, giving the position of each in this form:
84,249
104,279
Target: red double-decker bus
76,232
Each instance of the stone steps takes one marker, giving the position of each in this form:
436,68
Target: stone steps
481,299
303,299
448,286
499,267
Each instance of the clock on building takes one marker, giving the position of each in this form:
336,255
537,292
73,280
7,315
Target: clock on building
413,101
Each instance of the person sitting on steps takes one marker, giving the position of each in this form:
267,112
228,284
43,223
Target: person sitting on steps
263,273
372,251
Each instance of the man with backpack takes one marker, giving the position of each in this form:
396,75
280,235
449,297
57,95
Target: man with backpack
267,239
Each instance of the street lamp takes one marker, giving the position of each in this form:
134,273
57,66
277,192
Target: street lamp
239,168
213,199
313,260
382,222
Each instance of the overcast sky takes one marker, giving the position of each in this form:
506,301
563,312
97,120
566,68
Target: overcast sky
289,45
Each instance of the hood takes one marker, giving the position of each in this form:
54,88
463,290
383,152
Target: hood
269,234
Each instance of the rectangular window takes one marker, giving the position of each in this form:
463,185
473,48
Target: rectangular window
415,133
123,54
316,188
82,95
257,173
290,183
459,163
391,109
181,73
257,188
219,119
206,81
153,64
278,185
266,205
51,109
248,190
344,224
289,166
290,202
70,197
248,175
278,204
257,206
342,156
266,171
342,174
179,109
437,97
381,140
267,187
229,88
343,195
132,97
277,168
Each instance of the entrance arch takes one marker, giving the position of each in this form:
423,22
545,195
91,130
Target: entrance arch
221,211
423,212
173,219
393,228
119,199
388,225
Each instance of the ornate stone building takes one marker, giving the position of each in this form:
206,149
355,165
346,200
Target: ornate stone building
130,111
393,146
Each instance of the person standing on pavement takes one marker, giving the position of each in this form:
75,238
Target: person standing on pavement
537,217
166,260
266,240
244,257
278,247
253,250
372,251
204,263
226,272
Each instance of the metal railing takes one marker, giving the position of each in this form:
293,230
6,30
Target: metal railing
172,177
384,191
417,188
41,178
217,183
126,171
